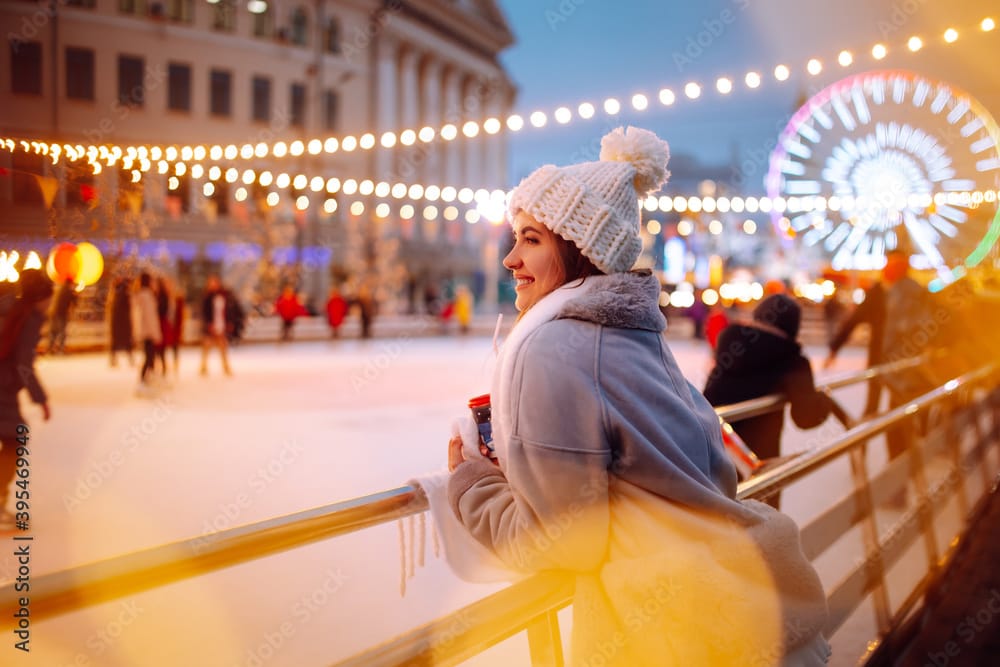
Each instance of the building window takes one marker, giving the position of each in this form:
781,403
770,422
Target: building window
178,87
181,10
79,73
300,27
131,92
25,67
262,23
220,92
179,198
80,189
331,102
86,4
298,105
132,7
331,36
224,15
221,197
25,190
261,99
130,192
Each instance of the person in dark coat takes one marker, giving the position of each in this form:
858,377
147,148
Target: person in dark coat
62,309
871,311
19,334
120,320
216,323
763,357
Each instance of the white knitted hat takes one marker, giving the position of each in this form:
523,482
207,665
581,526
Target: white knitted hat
596,204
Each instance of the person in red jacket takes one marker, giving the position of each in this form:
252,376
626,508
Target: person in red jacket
714,324
288,307
336,310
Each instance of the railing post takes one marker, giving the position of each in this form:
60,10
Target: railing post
953,435
544,641
976,409
869,535
917,442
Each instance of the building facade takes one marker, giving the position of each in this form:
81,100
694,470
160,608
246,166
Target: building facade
252,97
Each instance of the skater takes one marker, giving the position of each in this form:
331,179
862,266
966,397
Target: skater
19,334
147,331
216,323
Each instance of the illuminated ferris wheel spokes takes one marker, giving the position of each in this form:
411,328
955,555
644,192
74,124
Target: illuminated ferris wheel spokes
893,150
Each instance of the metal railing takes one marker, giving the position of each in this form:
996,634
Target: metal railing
532,604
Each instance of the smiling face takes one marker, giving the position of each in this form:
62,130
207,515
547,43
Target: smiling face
534,260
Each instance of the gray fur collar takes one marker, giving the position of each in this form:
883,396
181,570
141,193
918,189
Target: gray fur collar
621,300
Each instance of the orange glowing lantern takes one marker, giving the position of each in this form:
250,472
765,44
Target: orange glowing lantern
63,264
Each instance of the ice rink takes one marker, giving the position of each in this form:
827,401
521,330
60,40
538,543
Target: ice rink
297,426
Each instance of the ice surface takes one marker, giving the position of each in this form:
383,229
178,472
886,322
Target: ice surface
297,426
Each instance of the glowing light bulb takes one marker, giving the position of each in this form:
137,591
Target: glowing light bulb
950,35
814,66
538,118
879,51
724,85
639,102
988,24
781,73
586,110
692,90
667,97
915,44
845,58
612,106
752,79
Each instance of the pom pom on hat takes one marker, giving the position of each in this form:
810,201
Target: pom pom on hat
595,205
643,150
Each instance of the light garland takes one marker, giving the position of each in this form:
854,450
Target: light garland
470,129
492,203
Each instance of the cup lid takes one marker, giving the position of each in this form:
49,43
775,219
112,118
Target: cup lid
479,401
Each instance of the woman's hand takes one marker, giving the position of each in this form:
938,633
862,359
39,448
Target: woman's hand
455,454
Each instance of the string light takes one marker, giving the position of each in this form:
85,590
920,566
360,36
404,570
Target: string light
514,122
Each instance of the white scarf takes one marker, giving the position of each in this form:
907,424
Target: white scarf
469,559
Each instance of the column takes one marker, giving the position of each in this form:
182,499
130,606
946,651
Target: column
407,168
430,116
386,103
454,166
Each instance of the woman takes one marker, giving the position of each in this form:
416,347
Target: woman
147,329
288,308
336,310
19,336
611,467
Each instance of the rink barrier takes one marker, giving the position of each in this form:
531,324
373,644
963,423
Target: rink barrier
63,591
532,605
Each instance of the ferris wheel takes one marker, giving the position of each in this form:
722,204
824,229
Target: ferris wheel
885,160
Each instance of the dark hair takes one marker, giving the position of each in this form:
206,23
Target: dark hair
575,264
145,279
